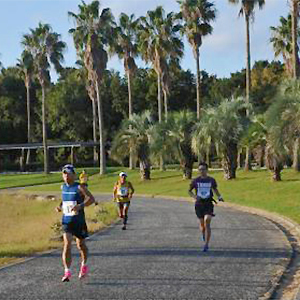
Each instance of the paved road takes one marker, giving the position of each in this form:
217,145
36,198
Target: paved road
160,257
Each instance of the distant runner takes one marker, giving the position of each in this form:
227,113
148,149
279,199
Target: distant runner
83,178
122,193
204,207
74,198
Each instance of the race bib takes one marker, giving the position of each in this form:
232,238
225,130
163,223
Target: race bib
123,191
67,208
203,194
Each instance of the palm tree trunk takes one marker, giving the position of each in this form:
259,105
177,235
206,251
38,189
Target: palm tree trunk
188,161
45,145
101,133
296,162
248,84
294,14
131,164
28,121
161,161
95,128
159,98
198,83
166,104
230,162
144,162
276,174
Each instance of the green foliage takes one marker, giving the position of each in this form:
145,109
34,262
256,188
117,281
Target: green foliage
172,139
197,16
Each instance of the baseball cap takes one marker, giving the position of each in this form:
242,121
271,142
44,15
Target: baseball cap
68,169
123,174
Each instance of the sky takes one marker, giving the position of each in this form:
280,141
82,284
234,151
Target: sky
222,53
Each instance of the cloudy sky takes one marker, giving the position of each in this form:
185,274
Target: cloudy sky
222,53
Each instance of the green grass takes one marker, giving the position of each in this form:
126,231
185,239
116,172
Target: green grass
26,224
254,189
20,180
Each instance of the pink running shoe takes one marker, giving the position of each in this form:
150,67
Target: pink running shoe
83,271
66,277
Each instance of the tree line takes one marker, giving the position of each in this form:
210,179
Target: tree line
165,87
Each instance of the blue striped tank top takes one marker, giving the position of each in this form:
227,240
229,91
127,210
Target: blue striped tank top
70,197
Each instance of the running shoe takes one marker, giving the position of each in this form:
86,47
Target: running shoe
66,277
124,227
205,249
83,271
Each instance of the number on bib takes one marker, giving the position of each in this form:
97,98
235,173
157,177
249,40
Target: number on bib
67,208
123,191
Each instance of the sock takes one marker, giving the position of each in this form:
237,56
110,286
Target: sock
125,220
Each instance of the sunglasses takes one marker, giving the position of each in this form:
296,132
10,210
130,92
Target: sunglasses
66,172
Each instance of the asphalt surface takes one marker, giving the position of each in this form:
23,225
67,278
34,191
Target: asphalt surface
160,257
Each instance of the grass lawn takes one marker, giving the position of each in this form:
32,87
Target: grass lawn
253,188
17,180
27,224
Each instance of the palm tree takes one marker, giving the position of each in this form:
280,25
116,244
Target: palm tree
158,43
197,16
255,137
91,35
46,48
286,110
282,42
221,126
247,9
26,67
90,88
136,138
125,46
295,48
173,139
169,68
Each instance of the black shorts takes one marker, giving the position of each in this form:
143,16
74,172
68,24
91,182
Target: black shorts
78,229
122,204
203,208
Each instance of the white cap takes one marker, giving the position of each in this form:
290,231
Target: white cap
123,174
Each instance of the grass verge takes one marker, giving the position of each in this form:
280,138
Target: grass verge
253,189
26,225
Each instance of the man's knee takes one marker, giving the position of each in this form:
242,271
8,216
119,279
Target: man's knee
80,244
67,241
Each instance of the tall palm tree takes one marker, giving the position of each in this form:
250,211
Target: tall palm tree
169,68
26,67
197,16
136,138
295,47
281,39
247,10
91,35
173,139
90,88
46,49
159,42
126,47
221,126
